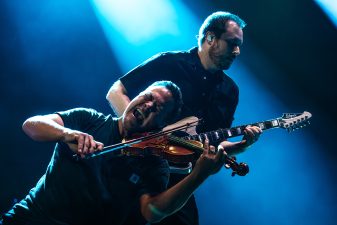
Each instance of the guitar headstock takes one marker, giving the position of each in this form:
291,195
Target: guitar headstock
292,121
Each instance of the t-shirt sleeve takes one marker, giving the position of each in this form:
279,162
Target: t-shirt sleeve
79,118
139,78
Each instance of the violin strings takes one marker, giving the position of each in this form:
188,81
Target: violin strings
185,143
162,133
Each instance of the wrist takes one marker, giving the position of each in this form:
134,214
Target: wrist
243,145
64,137
197,176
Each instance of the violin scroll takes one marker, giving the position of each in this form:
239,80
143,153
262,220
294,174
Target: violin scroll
240,169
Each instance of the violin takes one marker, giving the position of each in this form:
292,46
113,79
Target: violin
175,150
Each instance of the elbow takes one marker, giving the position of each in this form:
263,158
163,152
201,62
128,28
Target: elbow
116,89
150,212
109,95
112,97
29,127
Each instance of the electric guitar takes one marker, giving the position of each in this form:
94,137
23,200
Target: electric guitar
288,121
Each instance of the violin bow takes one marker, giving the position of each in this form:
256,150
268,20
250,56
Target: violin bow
114,147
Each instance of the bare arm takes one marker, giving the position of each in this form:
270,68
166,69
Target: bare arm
155,208
45,128
51,128
117,97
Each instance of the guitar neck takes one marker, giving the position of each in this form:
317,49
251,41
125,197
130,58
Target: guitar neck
222,134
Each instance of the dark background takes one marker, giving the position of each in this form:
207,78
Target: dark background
48,68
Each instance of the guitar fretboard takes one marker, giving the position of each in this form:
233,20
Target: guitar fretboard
222,134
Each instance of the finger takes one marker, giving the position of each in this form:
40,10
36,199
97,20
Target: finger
249,131
224,154
249,135
80,141
256,130
220,154
86,144
99,145
212,149
92,144
221,148
206,144
205,152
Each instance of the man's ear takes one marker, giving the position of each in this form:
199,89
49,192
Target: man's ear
210,38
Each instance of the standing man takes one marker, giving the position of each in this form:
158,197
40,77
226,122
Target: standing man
208,92
102,190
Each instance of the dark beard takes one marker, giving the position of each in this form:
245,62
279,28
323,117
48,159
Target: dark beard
218,60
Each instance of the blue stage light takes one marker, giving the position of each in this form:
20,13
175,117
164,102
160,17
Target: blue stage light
330,8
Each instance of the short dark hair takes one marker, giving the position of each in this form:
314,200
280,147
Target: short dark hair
216,23
176,95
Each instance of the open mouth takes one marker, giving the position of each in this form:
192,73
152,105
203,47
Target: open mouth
139,115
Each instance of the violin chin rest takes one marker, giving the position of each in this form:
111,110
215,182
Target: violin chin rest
181,170
186,121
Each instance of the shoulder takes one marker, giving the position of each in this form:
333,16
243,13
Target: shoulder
78,111
81,116
169,56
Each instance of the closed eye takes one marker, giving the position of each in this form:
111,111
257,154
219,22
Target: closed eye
148,96
234,42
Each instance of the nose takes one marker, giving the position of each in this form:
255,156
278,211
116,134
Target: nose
150,106
236,50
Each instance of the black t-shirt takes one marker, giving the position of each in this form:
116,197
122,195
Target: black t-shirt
210,96
100,190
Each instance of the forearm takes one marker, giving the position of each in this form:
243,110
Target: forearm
41,128
173,199
117,98
233,148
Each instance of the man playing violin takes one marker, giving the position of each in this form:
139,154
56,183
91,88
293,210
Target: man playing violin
103,189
